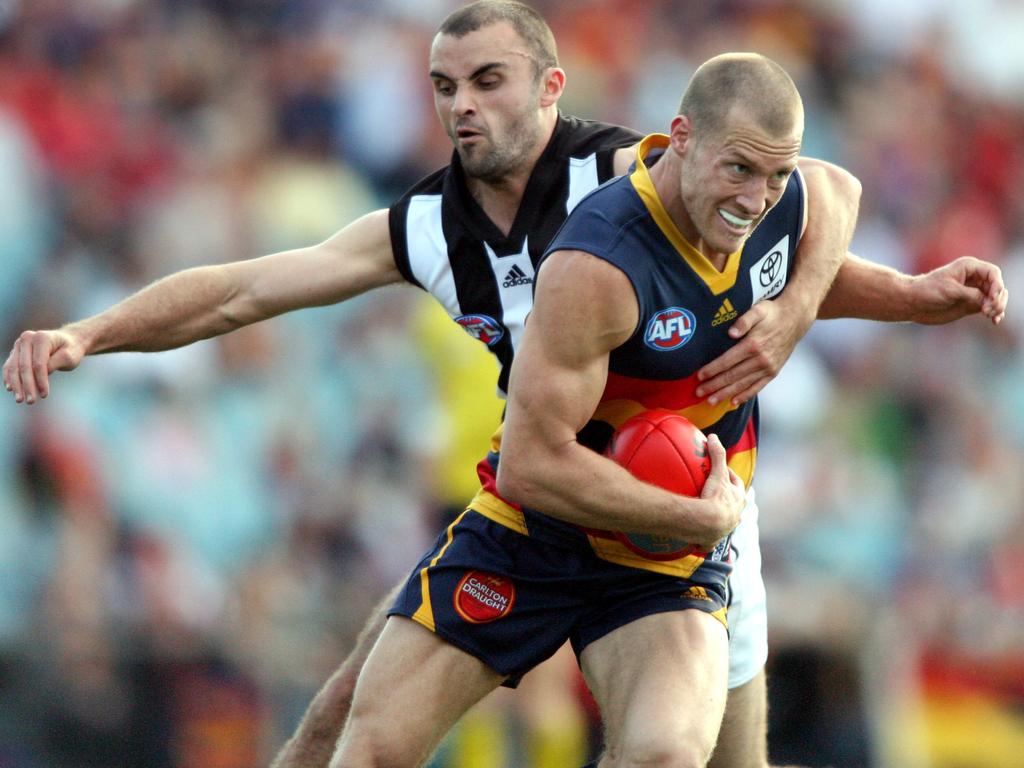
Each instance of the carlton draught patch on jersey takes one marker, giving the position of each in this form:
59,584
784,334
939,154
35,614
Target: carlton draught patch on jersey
670,329
482,327
482,597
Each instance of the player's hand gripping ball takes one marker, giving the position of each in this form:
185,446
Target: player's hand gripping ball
665,449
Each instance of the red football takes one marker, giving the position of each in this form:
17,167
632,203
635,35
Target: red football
665,449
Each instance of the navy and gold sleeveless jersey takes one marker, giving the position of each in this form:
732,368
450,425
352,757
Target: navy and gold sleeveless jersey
444,243
686,307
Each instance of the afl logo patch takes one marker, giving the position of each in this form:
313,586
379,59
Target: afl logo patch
670,329
482,327
483,597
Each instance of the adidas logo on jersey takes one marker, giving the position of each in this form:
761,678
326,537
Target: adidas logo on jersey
724,314
515,277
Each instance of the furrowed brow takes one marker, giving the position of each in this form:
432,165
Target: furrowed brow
485,68
478,72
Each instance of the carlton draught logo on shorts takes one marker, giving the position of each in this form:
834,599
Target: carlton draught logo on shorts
482,327
670,328
482,597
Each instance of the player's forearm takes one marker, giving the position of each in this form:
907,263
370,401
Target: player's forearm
868,291
207,301
177,310
579,486
833,199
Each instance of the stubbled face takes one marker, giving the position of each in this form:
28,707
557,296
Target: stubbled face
730,180
486,94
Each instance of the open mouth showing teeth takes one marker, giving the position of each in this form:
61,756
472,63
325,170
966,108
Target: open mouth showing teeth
736,221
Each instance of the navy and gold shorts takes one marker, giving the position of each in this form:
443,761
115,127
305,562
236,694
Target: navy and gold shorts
512,600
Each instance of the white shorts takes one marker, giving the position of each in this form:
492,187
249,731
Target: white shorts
748,610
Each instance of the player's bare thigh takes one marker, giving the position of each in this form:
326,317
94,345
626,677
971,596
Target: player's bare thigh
661,684
742,742
406,688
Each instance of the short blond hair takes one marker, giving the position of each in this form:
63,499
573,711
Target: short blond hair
754,80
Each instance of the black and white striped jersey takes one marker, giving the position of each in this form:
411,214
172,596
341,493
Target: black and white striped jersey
444,243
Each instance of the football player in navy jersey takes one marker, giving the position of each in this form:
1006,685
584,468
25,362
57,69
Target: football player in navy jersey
705,226
496,86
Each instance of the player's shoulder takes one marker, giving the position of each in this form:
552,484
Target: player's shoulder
581,136
615,202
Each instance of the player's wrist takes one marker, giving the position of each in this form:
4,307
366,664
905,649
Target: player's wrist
82,336
800,306
908,297
703,521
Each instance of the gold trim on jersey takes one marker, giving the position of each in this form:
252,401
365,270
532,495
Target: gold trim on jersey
501,512
718,282
742,464
425,613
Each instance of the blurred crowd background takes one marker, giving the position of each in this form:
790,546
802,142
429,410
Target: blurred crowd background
189,541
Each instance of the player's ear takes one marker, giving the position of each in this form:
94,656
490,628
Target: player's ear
680,133
552,84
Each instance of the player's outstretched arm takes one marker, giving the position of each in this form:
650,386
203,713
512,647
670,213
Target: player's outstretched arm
584,308
871,291
208,301
769,330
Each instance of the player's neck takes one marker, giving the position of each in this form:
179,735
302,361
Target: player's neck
500,199
665,177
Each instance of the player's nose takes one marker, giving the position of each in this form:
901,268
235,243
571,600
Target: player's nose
462,103
754,197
